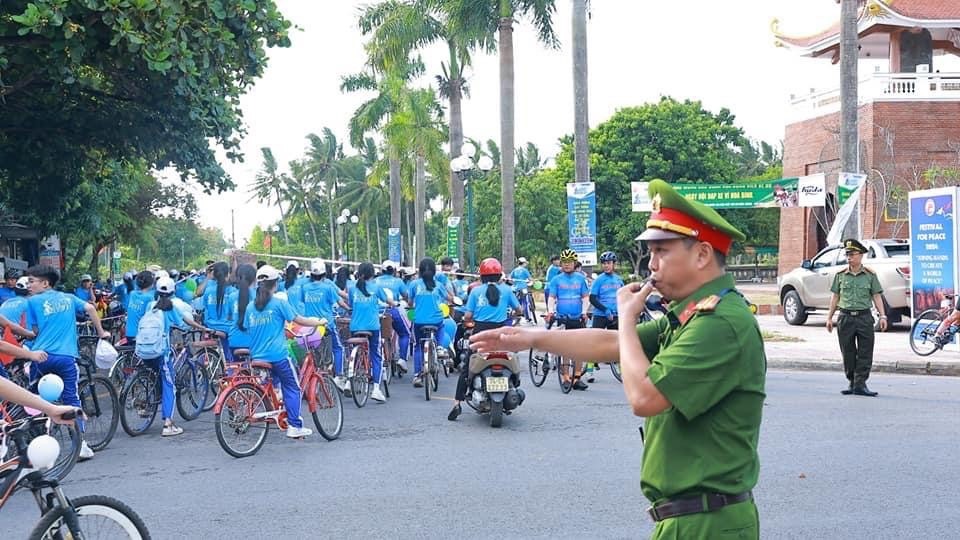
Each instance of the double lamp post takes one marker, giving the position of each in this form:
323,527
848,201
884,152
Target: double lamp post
466,170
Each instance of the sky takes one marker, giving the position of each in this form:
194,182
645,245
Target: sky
721,53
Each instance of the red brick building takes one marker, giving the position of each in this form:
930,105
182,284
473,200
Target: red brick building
909,120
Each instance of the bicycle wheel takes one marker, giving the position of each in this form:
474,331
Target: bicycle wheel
97,517
242,425
139,402
193,387
68,436
360,385
615,368
328,415
538,366
212,362
385,378
122,369
565,369
101,406
923,333
427,369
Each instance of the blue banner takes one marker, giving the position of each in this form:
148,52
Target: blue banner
394,251
932,247
582,221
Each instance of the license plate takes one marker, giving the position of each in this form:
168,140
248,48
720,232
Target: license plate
498,384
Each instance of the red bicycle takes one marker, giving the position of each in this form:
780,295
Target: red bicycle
248,403
359,371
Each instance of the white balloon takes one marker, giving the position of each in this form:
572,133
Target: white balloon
43,451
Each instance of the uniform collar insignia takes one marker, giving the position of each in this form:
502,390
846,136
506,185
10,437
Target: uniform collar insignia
656,202
687,313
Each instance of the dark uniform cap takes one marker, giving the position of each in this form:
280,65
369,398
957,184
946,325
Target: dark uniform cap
675,216
852,244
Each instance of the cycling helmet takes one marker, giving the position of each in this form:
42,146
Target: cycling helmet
23,283
128,276
12,273
490,267
174,274
165,285
568,255
608,256
522,260
268,273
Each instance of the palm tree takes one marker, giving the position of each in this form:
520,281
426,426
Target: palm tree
500,15
528,160
321,166
303,193
581,124
363,188
269,185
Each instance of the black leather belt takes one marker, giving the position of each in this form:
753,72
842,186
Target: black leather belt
854,312
708,502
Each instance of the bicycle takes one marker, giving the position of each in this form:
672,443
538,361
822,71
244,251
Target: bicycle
249,404
431,363
359,370
192,379
100,404
923,334
539,363
388,345
527,304
60,517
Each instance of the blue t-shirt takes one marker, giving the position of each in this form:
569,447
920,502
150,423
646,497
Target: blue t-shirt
218,319
54,314
483,311
121,295
366,309
136,307
443,280
6,293
521,277
268,343
319,297
552,272
569,290
460,288
426,303
237,338
606,287
183,292
83,294
393,283
15,310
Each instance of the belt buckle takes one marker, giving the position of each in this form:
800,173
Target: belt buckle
652,511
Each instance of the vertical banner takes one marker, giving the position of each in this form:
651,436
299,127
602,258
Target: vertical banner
50,252
394,251
932,247
453,239
582,221
640,197
847,183
812,190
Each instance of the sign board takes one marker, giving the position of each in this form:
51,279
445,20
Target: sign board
933,249
847,183
453,239
640,197
394,251
812,190
582,221
50,251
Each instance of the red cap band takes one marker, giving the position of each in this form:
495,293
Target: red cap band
672,220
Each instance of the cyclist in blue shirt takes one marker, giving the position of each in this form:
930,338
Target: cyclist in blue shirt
264,320
489,305
10,278
15,309
183,290
121,292
603,297
344,283
388,280
85,290
318,298
166,289
425,296
443,277
137,304
552,271
53,316
365,298
216,295
460,285
569,300
521,279
244,291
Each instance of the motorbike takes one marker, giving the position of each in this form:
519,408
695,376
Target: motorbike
494,385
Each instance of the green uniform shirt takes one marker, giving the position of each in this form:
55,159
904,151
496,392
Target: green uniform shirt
710,365
856,290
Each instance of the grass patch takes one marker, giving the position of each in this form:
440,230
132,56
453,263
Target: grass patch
769,335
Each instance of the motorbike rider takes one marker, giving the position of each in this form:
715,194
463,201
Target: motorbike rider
488,305
388,280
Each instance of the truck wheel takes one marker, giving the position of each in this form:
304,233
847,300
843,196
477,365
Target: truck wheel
794,312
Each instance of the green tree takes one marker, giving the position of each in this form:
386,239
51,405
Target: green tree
269,186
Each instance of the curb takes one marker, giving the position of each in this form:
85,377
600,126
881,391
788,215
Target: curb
948,369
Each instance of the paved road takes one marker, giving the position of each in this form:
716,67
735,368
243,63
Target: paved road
564,466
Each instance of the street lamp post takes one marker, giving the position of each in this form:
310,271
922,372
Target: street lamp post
182,264
343,219
270,236
465,169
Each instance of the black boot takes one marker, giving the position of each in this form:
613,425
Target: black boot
847,391
454,413
862,390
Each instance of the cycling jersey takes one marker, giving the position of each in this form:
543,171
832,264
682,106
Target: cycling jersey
426,309
55,315
552,272
482,311
521,277
268,343
136,307
366,309
569,290
605,287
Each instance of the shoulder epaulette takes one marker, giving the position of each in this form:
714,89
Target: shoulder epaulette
865,269
708,304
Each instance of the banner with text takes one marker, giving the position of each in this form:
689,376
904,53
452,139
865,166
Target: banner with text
582,220
772,194
933,236
847,183
453,239
394,251
812,190
50,252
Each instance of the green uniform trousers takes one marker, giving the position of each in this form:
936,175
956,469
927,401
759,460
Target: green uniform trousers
738,521
856,344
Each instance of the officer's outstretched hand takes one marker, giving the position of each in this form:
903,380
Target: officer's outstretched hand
507,338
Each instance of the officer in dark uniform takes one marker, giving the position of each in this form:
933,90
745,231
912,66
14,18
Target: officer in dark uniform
853,290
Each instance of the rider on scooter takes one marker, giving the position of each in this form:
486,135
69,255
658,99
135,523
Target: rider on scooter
488,305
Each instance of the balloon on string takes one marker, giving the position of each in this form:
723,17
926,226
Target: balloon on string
50,387
43,451
537,285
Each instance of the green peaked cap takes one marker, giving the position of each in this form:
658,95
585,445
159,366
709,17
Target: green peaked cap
665,197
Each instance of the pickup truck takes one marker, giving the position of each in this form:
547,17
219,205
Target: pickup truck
806,289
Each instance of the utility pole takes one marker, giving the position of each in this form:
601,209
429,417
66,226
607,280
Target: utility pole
233,230
849,140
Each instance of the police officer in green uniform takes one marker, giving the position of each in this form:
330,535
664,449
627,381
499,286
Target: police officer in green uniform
853,291
697,375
